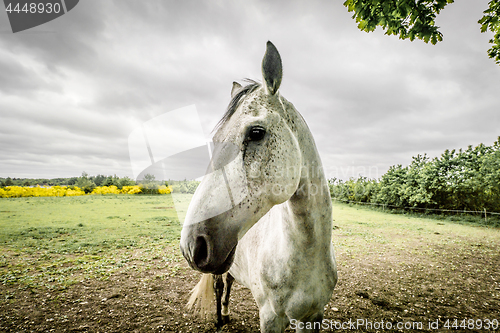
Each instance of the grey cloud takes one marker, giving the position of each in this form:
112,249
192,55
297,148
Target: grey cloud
16,79
370,100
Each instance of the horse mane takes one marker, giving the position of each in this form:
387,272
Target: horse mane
236,100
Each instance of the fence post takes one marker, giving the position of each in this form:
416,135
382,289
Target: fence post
485,217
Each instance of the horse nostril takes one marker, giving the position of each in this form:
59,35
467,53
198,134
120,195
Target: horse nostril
200,256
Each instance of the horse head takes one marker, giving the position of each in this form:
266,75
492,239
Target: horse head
255,165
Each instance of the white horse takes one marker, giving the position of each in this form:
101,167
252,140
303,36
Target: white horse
263,212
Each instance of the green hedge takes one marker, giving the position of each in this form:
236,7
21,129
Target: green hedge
464,180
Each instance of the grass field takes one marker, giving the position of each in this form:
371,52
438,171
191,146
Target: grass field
94,262
363,225
55,241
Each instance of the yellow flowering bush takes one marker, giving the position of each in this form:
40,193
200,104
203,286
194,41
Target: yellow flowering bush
74,192
165,189
106,190
66,191
54,191
14,192
131,189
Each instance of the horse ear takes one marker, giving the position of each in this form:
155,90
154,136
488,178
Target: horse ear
236,87
272,70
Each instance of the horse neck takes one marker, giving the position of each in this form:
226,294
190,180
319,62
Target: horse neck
310,206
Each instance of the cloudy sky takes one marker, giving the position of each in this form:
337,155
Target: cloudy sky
74,89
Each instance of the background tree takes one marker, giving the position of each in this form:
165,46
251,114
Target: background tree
125,181
465,180
149,178
72,180
8,182
85,183
416,19
108,181
149,185
99,179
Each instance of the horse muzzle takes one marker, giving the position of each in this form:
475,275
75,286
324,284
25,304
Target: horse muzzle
206,253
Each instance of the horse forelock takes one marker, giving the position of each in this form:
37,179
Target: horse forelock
236,101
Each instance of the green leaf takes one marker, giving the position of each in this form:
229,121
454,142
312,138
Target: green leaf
362,25
416,19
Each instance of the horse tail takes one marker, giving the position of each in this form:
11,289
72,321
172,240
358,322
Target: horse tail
202,296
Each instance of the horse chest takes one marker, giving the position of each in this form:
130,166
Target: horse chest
293,287
289,278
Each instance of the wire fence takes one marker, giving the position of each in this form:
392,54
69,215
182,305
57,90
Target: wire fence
419,208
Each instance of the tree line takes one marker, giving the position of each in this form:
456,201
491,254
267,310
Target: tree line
149,185
83,181
457,180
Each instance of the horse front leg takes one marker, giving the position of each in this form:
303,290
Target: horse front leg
228,282
270,322
219,288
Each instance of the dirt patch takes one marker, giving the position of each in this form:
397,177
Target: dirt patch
447,283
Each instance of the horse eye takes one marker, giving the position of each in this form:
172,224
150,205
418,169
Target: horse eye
256,133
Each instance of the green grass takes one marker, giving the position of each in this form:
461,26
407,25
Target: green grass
492,219
89,224
359,229
53,241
